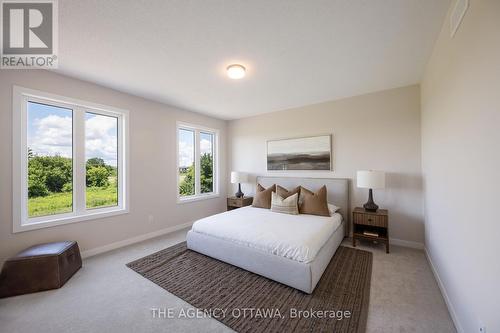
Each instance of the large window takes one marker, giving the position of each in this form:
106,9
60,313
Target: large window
101,156
50,159
196,162
69,160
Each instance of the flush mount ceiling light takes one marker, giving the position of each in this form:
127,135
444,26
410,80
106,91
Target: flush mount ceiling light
236,71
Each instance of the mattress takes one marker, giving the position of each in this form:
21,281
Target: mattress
302,276
296,237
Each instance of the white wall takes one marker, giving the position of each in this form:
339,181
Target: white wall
461,165
375,131
152,166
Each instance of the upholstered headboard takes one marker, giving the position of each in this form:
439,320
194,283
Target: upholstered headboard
337,188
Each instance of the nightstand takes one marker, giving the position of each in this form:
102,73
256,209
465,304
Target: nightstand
234,202
371,226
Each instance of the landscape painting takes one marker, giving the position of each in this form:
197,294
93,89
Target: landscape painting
309,153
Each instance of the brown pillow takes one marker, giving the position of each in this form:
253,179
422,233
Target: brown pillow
284,193
262,198
313,203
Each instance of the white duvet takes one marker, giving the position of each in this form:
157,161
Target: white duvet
297,237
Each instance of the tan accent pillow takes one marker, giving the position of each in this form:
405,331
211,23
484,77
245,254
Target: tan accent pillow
313,203
284,193
262,198
285,205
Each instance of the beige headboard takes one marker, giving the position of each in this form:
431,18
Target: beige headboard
337,188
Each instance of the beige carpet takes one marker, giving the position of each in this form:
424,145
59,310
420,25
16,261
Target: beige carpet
107,296
247,302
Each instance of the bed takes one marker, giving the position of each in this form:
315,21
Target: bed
291,249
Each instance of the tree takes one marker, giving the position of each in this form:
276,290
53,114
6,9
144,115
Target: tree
95,162
68,187
36,185
98,176
186,186
54,174
48,173
206,173
97,172
55,179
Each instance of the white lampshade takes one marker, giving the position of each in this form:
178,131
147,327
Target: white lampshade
238,177
371,179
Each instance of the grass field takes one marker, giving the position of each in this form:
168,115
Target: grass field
57,203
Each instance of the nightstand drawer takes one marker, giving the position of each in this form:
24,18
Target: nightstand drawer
358,218
234,202
369,219
375,220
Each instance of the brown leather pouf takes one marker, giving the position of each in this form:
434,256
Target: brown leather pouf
41,267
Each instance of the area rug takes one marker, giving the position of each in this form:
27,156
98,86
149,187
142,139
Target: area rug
247,302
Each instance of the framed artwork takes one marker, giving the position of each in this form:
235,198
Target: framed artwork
308,153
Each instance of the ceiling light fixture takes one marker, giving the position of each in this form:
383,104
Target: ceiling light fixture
236,71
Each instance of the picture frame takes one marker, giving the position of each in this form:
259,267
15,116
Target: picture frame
311,153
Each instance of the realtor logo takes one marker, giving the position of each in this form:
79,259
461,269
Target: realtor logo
29,34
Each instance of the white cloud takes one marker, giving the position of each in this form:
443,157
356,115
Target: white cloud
185,154
101,138
52,136
186,151
205,146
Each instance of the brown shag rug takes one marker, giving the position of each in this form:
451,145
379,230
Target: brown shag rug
247,302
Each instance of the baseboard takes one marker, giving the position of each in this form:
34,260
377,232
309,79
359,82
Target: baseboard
405,243
449,305
137,239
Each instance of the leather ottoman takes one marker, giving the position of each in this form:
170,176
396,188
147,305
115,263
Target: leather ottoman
41,267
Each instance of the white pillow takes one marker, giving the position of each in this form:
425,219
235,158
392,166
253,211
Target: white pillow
332,208
285,206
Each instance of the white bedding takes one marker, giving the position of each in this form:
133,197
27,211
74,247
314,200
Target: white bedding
297,237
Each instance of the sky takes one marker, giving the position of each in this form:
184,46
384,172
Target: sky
186,146
50,133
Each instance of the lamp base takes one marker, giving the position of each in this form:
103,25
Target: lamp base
239,194
370,206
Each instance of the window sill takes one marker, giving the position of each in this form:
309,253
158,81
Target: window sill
195,198
69,219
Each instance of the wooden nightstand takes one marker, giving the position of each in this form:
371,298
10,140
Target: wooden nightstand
234,202
371,222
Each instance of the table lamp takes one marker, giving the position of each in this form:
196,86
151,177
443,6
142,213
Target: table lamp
372,180
238,178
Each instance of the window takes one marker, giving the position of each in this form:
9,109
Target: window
69,160
186,162
206,162
50,159
196,162
101,156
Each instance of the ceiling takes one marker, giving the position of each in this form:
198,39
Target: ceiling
296,52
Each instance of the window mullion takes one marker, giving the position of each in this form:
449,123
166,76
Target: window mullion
79,171
197,172
215,164
120,164
24,159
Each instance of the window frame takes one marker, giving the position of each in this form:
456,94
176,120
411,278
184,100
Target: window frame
197,129
21,220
